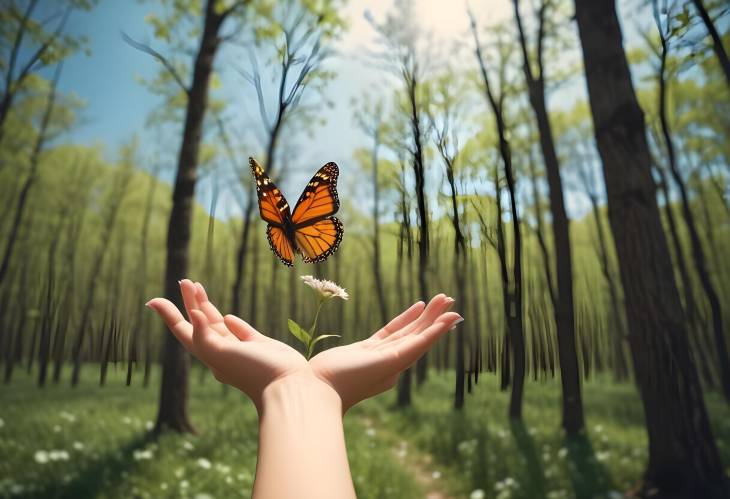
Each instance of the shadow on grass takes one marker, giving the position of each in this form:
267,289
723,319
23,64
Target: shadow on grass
535,486
588,476
104,474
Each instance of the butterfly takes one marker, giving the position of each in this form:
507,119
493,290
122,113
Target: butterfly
311,229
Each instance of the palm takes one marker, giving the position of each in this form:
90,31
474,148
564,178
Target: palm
366,368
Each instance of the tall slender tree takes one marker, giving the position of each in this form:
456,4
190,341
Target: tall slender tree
572,405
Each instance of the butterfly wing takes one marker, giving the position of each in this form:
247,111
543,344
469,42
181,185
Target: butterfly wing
319,240
272,204
319,199
280,244
274,209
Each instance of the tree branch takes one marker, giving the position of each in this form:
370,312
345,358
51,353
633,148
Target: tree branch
162,59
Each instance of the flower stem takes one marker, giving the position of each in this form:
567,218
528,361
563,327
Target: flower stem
313,328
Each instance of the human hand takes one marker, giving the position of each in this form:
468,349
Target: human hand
234,351
369,367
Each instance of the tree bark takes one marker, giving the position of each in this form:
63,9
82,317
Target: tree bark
683,457
172,411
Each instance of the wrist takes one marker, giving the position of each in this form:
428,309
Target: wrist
300,391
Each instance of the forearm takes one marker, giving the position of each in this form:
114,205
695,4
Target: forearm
302,450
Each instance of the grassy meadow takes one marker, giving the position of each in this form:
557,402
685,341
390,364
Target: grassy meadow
95,442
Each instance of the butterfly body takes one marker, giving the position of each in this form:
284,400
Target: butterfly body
311,229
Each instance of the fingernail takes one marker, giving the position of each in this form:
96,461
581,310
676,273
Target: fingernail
179,283
148,304
456,323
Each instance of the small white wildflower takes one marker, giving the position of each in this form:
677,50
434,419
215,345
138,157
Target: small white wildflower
562,453
184,484
78,446
603,456
58,455
188,446
615,494
223,468
229,480
477,494
179,472
68,416
436,475
163,486
204,463
126,420
140,455
56,429
326,289
598,428
149,425
203,496
2,423
17,489
370,432
41,457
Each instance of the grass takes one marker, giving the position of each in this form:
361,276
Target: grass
91,442
483,455
94,442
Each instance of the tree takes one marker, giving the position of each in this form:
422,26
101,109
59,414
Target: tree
172,410
563,305
403,55
511,280
29,45
698,254
683,457
717,45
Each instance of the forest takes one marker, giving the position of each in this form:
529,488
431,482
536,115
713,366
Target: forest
561,168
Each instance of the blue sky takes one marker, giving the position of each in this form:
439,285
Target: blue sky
118,105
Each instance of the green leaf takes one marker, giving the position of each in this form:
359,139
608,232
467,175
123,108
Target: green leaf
323,337
299,332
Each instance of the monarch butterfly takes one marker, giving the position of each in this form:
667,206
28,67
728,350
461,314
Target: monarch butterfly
310,229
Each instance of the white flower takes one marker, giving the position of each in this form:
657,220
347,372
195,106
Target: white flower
17,489
184,484
598,428
179,472
78,446
149,425
203,496
187,445
163,486
204,463
126,420
223,468
327,289
436,475
58,455
603,456
140,455
41,457
56,428
68,416
562,453
370,432
2,423
477,494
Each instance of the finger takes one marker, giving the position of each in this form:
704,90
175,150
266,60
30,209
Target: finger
401,321
174,320
438,305
215,318
187,289
448,317
240,328
206,342
409,351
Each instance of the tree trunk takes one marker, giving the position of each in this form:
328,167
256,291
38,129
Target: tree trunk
683,457
698,254
717,45
172,411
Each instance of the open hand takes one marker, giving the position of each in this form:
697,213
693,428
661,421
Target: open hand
369,367
242,357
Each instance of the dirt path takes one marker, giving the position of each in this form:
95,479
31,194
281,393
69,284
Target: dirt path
418,464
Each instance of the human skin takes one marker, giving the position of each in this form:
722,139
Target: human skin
301,403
